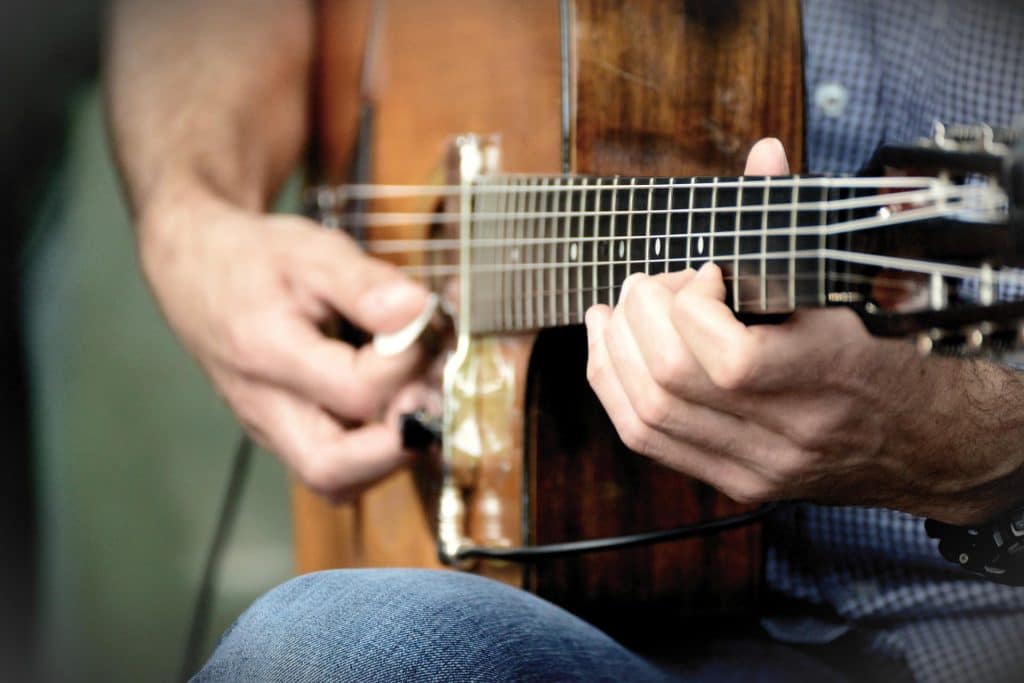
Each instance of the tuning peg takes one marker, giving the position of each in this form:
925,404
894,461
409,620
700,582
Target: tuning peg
925,341
974,337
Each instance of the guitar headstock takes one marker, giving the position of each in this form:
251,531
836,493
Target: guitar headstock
953,278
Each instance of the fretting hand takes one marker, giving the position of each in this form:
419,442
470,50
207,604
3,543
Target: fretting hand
814,408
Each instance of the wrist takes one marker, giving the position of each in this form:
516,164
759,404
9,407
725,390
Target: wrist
173,214
977,432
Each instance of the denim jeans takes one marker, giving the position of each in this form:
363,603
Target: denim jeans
421,625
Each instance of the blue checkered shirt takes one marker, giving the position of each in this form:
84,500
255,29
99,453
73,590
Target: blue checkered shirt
879,71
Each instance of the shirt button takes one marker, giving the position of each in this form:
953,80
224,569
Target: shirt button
831,98
864,590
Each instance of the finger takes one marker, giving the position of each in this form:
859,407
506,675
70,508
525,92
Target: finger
656,407
367,291
767,157
672,367
331,460
728,476
311,443
724,347
674,281
350,383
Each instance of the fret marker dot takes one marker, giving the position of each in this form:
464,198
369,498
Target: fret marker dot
573,251
657,247
622,249
700,245
514,255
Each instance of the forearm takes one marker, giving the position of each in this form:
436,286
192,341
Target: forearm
208,97
976,430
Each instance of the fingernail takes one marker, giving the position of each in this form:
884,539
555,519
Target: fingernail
398,294
627,284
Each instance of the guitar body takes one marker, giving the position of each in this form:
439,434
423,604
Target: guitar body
655,88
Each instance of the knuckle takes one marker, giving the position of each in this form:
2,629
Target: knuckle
635,435
641,289
317,473
792,465
748,492
814,431
654,408
733,372
808,433
248,346
361,402
669,366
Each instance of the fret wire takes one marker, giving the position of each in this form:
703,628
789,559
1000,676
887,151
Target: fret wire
579,251
737,226
821,245
689,226
538,284
480,228
713,216
545,310
510,198
764,247
517,282
527,231
611,243
596,235
668,223
628,251
792,242
565,228
647,251
507,232
550,229
498,284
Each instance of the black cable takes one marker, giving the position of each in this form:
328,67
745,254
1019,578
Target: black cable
201,613
551,550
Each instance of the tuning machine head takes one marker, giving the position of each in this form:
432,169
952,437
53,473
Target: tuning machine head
978,339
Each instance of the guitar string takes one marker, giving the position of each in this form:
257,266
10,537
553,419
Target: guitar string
848,278
751,304
952,271
782,232
957,194
399,245
336,193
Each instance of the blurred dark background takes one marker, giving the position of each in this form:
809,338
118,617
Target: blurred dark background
115,449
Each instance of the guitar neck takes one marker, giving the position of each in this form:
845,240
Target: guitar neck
545,249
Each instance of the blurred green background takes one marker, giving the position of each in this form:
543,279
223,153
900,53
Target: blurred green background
133,446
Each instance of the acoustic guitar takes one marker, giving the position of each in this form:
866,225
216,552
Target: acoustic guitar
523,159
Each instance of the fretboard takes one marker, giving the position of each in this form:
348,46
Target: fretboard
544,250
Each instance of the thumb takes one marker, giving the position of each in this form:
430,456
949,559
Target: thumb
767,157
368,292
708,283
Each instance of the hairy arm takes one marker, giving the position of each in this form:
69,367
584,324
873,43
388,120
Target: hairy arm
208,97
208,111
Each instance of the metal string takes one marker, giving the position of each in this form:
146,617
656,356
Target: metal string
327,195
957,194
